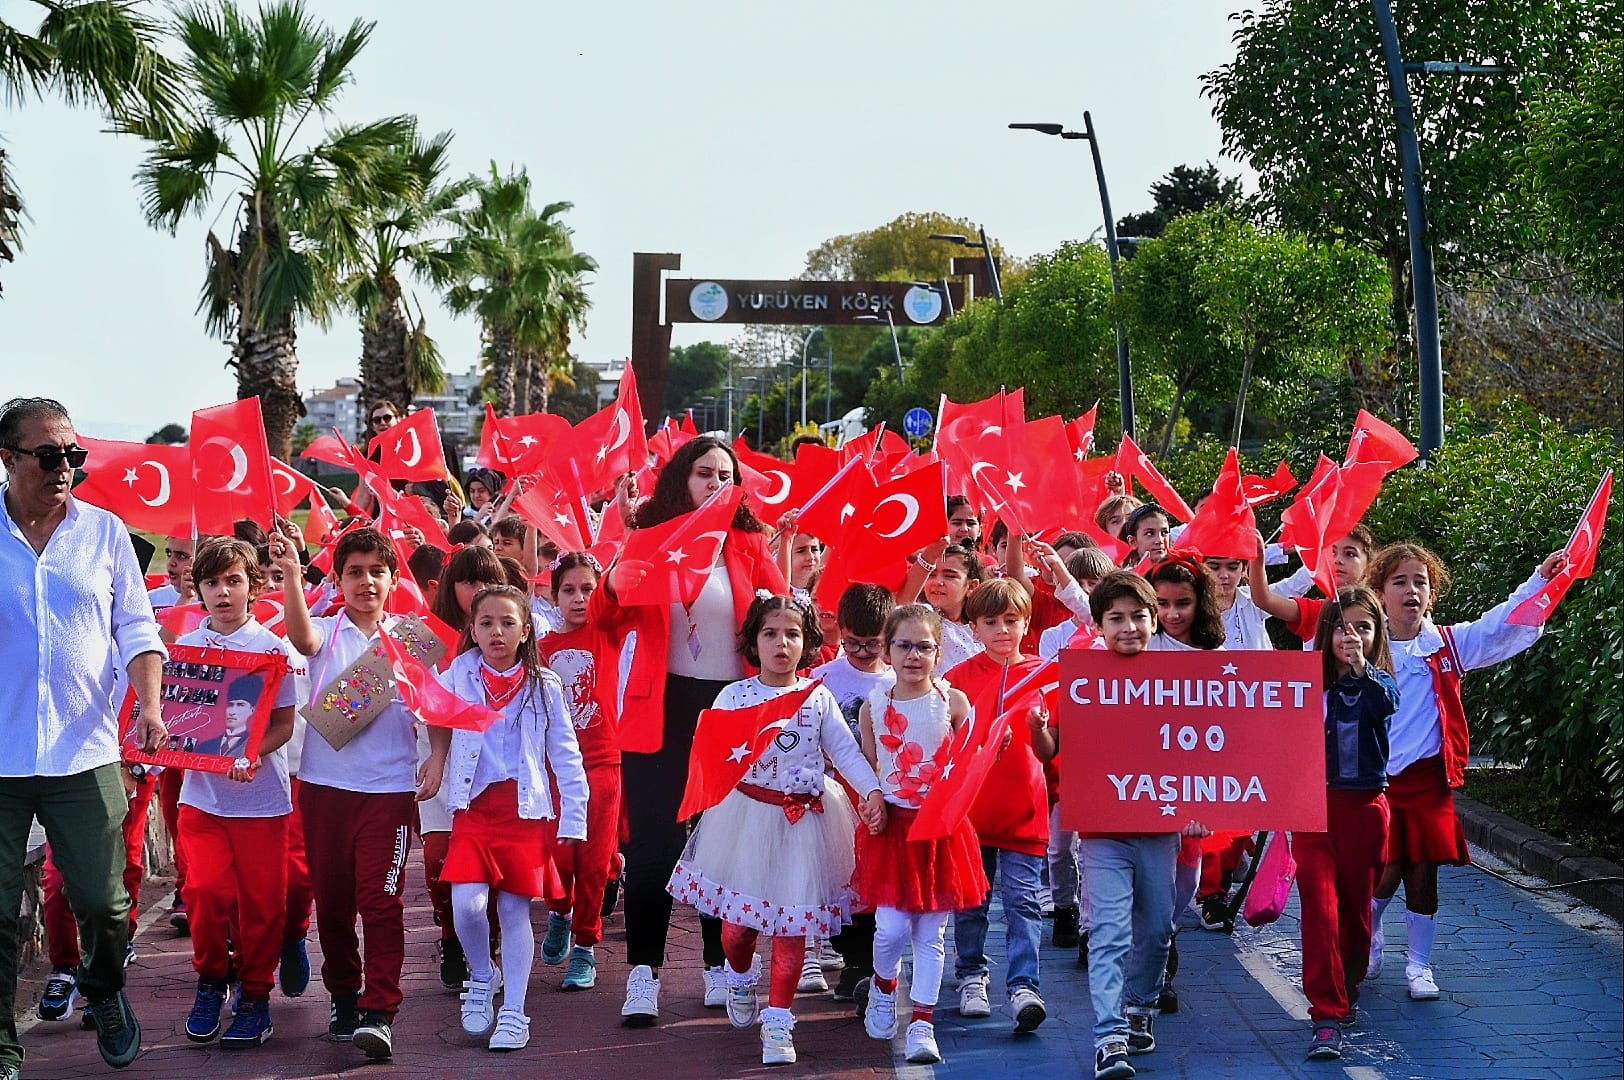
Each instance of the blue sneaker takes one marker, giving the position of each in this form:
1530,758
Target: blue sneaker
557,941
250,1026
203,1025
294,974
582,973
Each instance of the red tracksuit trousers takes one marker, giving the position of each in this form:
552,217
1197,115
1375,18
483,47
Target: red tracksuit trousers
585,867
236,895
357,843
300,893
61,928
1336,877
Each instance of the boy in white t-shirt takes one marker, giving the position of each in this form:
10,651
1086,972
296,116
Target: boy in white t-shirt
852,677
357,801
235,825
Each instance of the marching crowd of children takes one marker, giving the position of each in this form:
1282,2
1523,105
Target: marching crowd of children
573,788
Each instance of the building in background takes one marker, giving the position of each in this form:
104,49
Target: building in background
459,408
335,407
608,372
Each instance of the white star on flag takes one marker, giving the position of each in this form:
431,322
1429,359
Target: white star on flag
739,753
1169,809
129,477
1231,669
947,770
676,555
1013,481
527,441
1080,454
562,518
603,452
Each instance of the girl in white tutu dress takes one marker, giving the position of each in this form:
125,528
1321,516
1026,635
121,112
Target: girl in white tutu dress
775,856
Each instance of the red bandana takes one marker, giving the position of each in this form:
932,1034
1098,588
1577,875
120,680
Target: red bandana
499,688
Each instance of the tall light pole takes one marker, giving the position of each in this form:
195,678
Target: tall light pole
986,250
896,348
816,330
1124,369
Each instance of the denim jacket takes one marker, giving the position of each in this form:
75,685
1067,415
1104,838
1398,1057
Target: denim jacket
1358,712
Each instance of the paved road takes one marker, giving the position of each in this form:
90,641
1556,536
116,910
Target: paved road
1531,981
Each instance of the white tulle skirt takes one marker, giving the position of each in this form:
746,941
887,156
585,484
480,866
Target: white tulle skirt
748,864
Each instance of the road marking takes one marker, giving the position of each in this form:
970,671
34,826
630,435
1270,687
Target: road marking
1283,990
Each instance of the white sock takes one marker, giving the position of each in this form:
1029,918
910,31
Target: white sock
468,915
518,948
1423,929
1378,908
770,1014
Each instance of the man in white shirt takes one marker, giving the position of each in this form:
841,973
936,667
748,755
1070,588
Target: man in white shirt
73,607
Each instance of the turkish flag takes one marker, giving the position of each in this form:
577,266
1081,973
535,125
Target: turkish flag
1080,433
293,487
334,449
1039,487
148,485
1357,487
1262,489
879,448
687,427
902,516
768,480
607,444
1304,524
410,449
1134,464
181,619
728,741
556,515
971,753
1377,441
972,437
834,506
396,510
1580,553
1224,527
517,445
1091,480
231,468
427,698
664,442
677,555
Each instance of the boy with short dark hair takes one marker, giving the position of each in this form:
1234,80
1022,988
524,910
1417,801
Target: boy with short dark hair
357,801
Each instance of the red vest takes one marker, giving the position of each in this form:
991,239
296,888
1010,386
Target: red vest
1446,672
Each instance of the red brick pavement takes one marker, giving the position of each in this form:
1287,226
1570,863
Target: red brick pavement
574,1035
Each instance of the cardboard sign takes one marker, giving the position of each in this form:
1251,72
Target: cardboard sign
1234,740
357,696
217,703
420,640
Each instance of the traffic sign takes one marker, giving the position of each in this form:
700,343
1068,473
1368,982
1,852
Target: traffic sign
917,422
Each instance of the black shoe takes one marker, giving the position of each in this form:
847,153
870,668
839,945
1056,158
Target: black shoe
453,964
1168,1002
1082,949
1215,914
118,1036
294,970
179,919
1066,934
859,995
10,1070
846,985
1111,1062
611,893
374,1037
1141,1031
343,1018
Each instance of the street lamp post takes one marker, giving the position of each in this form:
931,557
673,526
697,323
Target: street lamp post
986,250
896,348
1124,368
816,330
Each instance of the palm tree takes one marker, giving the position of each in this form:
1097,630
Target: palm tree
100,53
384,239
253,83
519,272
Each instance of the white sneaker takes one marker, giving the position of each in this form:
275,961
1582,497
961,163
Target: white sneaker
642,1008
777,1044
1378,942
715,986
812,980
512,1030
921,1048
1027,1008
973,1001
741,995
828,958
1422,985
880,1018
479,1004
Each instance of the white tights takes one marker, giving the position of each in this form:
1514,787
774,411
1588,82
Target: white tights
927,930
468,912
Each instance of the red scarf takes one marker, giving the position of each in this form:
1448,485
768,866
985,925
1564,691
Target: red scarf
499,688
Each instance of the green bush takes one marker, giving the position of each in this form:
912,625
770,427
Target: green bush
1504,491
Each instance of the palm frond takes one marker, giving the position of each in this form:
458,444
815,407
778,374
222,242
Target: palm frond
425,367
339,53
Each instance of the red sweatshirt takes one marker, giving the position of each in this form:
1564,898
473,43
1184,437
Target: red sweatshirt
1012,811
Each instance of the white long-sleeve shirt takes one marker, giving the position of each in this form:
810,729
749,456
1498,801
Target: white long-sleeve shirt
70,618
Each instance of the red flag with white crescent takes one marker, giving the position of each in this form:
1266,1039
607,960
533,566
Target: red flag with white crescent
1580,559
410,448
148,485
728,741
231,468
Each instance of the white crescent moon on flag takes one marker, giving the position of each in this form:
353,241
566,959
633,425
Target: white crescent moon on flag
285,475
163,484
417,450
991,493
720,534
910,513
782,493
623,430
239,463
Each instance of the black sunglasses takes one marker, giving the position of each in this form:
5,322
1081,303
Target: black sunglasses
384,418
50,458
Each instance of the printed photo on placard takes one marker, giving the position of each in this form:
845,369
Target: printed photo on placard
217,703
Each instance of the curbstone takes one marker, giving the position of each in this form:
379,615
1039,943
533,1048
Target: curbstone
1544,856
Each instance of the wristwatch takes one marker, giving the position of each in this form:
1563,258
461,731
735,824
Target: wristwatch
137,770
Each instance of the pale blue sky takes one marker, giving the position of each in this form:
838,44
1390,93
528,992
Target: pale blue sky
741,134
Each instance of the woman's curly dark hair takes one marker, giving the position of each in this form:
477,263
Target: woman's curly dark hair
1184,567
671,499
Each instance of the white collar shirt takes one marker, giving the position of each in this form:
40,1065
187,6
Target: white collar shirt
70,618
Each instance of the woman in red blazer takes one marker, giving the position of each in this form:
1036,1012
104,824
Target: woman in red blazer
684,656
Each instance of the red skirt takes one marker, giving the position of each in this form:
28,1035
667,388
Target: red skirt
492,845
919,876
1424,827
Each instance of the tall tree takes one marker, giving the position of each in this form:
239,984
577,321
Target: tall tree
1186,189
252,83
518,271
97,53
377,234
1306,103
696,371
